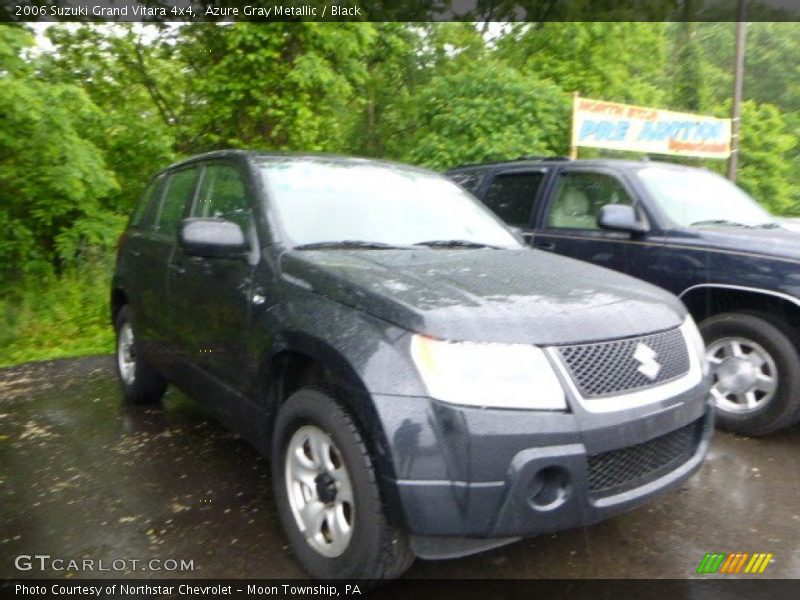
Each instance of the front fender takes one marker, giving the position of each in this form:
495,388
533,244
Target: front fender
369,357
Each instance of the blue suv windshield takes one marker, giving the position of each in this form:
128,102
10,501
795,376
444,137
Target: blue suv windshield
696,198
372,205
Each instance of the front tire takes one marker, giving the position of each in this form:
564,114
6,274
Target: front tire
327,494
141,383
756,370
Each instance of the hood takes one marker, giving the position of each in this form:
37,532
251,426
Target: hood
483,295
770,243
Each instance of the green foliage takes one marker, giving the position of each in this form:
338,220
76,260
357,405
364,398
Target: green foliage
13,41
765,144
56,316
52,179
688,74
133,85
486,111
621,62
392,73
83,126
284,86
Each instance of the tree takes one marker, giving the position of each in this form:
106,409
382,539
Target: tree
765,143
281,86
486,111
622,62
52,178
688,88
139,94
393,71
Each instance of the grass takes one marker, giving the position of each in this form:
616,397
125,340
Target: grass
57,316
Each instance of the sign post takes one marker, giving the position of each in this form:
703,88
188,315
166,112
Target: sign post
614,126
573,146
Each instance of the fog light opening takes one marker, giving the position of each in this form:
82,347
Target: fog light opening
549,488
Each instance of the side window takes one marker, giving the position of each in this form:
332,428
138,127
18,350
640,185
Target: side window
511,196
223,195
579,198
469,180
179,188
145,214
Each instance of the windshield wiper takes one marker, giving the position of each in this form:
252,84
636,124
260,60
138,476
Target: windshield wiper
454,244
718,222
344,244
769,226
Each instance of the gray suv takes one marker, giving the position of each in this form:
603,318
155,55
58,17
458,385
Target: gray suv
424,384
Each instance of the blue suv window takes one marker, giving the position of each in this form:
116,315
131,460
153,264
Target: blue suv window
511,196
469,180
579,198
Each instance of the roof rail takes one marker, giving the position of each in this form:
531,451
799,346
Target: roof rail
500,162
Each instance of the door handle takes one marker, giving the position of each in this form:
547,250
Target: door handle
545,245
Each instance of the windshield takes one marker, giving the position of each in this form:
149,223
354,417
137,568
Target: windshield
373,205
695,198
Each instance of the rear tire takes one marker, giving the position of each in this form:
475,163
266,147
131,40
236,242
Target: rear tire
756,368
141,383
374,548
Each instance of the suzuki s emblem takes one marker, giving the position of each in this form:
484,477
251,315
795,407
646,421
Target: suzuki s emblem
648,365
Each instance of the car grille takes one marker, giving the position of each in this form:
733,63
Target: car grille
627,468
609,368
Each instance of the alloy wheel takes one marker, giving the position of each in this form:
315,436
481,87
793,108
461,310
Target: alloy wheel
320,491
745,375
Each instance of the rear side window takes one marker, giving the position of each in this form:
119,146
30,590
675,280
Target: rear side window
145,214
222,194
469,180
178,192
511,196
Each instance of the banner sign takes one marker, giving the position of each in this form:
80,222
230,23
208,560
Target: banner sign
599,124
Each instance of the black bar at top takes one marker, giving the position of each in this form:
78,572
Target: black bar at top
265,11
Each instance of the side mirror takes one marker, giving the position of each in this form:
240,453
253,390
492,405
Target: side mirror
620,217
212,238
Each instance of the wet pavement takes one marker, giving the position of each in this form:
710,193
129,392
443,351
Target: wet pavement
83,476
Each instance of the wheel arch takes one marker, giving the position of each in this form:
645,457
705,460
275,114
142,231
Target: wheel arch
118,299
706,300
297,360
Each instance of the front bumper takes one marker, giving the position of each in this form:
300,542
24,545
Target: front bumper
470,479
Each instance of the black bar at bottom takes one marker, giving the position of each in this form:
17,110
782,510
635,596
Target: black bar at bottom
713,588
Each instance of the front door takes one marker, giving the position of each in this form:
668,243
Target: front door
569,223
213,295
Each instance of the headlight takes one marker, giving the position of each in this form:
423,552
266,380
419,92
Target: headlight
493,375
695,340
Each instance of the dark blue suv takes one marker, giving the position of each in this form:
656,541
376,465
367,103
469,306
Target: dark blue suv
689,231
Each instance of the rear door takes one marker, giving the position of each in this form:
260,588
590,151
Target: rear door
212,295
150,243
568,222
179,188
143,270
